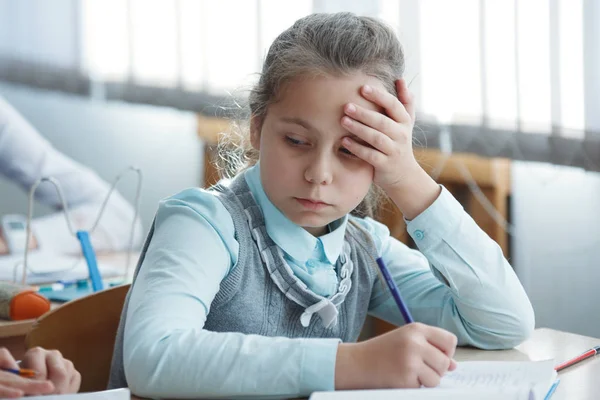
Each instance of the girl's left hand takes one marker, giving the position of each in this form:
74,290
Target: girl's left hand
51,366
387,137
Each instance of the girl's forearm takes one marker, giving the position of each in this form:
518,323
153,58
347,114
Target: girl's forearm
415,193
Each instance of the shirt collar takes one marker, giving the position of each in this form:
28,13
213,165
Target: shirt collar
291,238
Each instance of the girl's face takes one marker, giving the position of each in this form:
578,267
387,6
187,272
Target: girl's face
305,171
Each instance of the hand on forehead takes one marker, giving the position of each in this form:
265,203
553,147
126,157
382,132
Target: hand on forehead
322,98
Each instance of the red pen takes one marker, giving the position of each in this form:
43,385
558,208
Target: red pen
590,353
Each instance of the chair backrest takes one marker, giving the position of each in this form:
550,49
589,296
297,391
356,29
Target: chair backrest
84,331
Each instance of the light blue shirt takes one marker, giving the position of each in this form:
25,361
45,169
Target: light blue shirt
459,280
311,258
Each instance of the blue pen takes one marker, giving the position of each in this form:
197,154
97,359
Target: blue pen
395,292
28,373
552,390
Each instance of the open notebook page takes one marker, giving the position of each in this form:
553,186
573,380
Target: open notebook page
472,380
116,394
538,376
425,394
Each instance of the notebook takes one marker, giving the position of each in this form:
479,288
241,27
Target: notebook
471,380
116,394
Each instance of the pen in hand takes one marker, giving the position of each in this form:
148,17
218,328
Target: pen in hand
400,302
395,292
24,372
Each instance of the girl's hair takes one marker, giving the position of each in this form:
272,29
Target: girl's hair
320,44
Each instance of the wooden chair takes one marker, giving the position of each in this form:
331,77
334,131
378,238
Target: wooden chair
84,331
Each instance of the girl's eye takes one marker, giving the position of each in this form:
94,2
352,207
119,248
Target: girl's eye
346,152
295,142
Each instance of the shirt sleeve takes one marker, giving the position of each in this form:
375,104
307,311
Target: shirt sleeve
26,156
167,353
459,281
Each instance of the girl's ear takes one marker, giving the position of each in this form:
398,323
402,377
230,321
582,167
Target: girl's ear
255,128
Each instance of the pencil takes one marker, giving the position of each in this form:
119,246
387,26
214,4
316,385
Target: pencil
590,353
395,292
27,373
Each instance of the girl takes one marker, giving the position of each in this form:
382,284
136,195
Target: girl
260,285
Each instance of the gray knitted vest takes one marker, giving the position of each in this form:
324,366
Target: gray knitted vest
262,296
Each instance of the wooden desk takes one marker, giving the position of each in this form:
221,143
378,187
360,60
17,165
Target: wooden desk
12,333
578,382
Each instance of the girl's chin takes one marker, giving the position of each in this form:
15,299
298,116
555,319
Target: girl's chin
311,220
314,226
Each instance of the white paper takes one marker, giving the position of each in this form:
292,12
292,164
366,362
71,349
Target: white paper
424,394
472,380
46,267
498,375
116,394
488,374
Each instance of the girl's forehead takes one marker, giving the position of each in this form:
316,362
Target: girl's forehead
325,94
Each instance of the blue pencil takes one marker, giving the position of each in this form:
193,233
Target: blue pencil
395,292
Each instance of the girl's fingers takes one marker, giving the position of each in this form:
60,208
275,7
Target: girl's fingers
35,359
25,385
443,340
376,120
59,371
367,154
429,377
369,135
406,98
51,365
75,382
436,360
10,393
394,108
7,360
453,365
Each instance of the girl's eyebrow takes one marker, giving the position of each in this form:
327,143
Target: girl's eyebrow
299,121
307,125
352,136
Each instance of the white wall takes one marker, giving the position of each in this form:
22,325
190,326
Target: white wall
43,31
4,26
556,248
109,137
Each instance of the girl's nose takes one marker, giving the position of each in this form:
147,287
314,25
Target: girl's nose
319,172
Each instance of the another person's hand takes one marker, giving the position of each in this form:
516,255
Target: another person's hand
4,246
13,386
411,356
51,366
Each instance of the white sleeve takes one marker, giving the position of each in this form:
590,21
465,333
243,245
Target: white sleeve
25,156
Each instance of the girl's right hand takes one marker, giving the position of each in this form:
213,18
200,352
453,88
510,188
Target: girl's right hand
411,356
